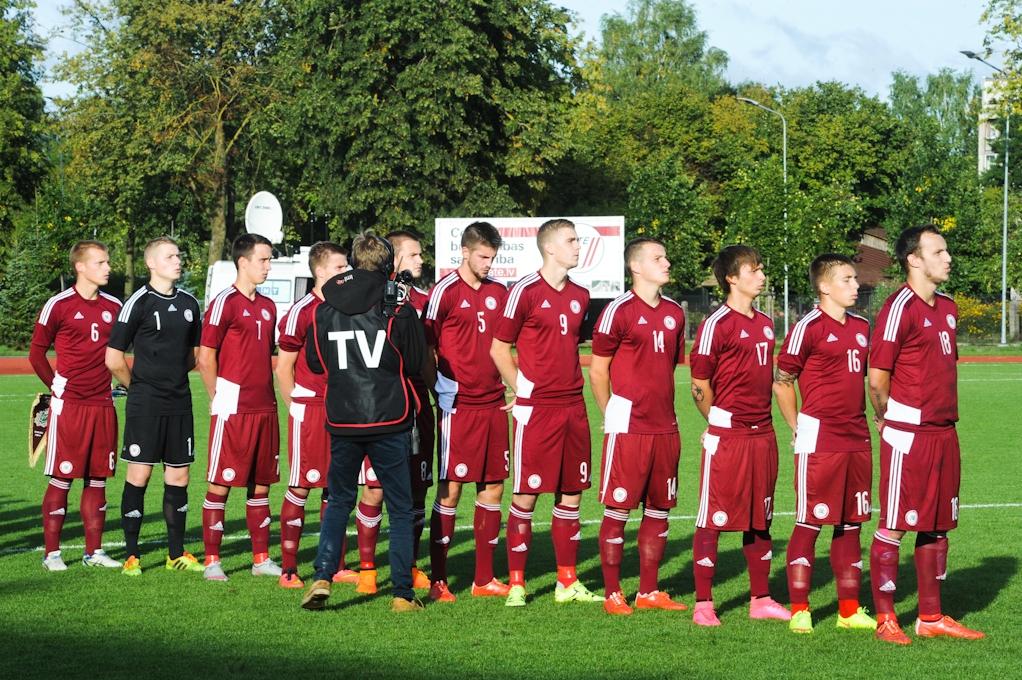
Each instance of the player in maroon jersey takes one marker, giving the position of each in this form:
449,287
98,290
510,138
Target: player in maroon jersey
543,317
471,415
369,513
303,392
732,374
826,352
638,340
82,431
244,441
913,382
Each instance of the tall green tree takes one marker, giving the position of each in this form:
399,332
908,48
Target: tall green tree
642,138
394,112
23,124
160,123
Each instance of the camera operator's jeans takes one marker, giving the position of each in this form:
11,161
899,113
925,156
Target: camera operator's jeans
389,457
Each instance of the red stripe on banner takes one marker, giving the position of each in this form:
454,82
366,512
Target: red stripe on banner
525,232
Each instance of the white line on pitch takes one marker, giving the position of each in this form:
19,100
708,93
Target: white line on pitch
242,537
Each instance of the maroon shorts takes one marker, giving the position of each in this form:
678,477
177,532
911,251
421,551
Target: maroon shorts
308,448
640,468
833,488
738,473
552,449
81,439
473,445
244,449
420,462
919,479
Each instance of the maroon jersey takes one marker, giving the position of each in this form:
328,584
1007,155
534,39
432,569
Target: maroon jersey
545,324
916,343
417,298
735,353
293,327
645,344
829,359
241,330
459,323
78,329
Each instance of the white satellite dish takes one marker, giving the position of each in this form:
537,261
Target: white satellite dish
263,216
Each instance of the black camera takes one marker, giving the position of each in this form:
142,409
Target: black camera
395,292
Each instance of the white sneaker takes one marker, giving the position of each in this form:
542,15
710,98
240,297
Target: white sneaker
53,562
214,572
266,568
100,559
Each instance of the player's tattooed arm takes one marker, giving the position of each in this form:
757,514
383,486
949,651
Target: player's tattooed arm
879,391
784,393
702,396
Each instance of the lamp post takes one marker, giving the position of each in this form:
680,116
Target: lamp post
784,169
1004,229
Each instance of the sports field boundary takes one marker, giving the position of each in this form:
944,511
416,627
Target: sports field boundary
21,365
243,536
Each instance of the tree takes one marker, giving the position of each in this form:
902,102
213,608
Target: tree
167,95
396,112
23,124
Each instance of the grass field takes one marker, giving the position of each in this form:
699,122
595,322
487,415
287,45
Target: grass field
167,624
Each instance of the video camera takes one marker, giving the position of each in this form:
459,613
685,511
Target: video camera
395,292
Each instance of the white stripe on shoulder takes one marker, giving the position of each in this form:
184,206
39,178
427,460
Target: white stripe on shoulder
894,316
945,295
511,306
709,325
296,311
607,317
129,304
218,305
111,298
44,316
673,302
438,292
798,333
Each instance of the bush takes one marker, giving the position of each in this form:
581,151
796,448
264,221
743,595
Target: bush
978,319
23,290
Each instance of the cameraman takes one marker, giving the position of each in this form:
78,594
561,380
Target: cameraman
369,343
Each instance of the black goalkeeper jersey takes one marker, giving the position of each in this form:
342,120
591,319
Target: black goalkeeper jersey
164,331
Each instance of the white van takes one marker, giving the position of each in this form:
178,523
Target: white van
289,279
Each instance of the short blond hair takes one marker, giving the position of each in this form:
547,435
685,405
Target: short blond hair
78,250
369,251
548,228
156,243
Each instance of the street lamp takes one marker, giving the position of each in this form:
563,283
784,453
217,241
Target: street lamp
1004,229
784,168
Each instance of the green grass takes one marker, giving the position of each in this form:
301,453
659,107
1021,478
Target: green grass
168,624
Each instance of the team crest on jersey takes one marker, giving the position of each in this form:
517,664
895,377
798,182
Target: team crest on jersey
768,332
670,323
821,510
134,450
461,469
266,314
535,481
911,517
66,467
228,474
861,339
312,476
951,321
720,518
620,494
188,315
576,306
108,317
490,302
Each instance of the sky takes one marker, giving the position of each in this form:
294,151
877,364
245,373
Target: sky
791,43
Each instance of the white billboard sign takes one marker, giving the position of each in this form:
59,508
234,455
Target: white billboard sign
600,264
